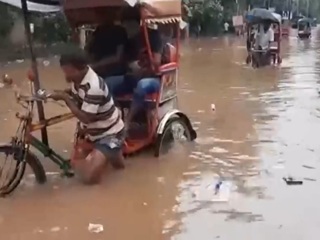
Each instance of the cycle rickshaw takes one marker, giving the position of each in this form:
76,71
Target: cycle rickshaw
304,28
164,123
255,18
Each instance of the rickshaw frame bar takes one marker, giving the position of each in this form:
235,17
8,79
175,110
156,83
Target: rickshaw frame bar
36,86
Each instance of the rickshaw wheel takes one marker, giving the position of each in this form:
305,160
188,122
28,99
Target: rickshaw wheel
279,60
13,161
175,130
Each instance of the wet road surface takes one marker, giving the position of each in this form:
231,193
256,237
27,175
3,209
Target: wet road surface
265,127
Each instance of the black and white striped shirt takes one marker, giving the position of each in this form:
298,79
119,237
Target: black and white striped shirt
94,98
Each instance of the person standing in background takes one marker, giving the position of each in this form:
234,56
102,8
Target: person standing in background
226,27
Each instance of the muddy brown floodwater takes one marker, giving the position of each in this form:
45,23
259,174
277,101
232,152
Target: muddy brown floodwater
266,126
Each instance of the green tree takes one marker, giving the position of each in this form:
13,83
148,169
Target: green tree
208,15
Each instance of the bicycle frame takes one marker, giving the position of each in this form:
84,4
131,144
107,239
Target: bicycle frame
63,164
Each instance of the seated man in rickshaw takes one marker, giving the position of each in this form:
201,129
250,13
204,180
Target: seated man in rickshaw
142,79
263,39
106,48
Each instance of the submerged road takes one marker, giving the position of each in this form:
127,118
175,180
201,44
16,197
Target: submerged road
266,126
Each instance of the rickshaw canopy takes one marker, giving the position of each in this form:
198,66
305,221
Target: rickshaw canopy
258,15
81,12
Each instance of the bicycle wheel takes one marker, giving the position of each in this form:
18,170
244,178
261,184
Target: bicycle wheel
13,160
12,171
12,168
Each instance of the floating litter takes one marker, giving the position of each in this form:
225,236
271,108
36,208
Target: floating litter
292,181
95,228
213,107
209,192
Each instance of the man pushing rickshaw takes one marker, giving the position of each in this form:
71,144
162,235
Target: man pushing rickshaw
119,82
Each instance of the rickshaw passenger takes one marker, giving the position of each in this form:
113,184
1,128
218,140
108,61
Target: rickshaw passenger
100,121
142,79
106,49
263,39
143,75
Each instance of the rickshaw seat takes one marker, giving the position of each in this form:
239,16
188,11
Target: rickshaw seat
125,100
128,97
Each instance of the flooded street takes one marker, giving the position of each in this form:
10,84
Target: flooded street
265,127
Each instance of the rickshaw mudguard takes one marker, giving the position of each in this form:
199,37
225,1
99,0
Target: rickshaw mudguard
169,115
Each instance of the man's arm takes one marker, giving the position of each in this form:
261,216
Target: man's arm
156,45
109,60
94,97
79,114
119,55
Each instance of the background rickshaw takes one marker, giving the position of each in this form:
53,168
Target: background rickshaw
164,122
254,19
304,28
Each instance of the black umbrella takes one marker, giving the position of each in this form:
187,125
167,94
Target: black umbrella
258,15
305,20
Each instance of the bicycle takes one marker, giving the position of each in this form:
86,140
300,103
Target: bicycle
19,147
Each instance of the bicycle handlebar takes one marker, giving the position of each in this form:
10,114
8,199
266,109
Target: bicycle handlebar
42,95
